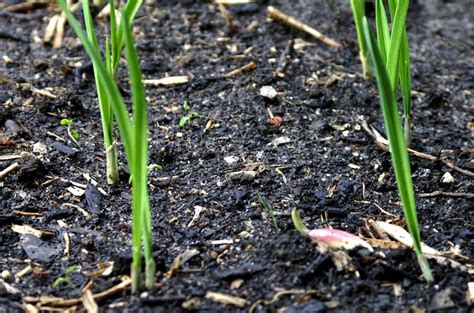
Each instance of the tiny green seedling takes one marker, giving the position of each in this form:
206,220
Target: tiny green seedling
190,116
186,107
72,133
66,279
268,206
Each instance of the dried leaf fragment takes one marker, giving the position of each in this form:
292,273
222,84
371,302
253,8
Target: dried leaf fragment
89,303
401,235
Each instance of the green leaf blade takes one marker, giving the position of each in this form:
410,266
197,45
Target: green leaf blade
398,148
398,28
383,32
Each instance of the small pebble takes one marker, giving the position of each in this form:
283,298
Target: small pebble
6,275
231,160
268,92
447,178
179,135
12,127
40,148
192,304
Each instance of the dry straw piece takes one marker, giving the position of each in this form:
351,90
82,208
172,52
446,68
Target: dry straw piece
281,17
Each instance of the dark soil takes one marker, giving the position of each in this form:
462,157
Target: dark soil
331,170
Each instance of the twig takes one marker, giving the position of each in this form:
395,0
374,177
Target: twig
9,169
283,59
84,212
60,22
447,194
167,81
59,302
281,17
23,7
246,68
234,2
383,144
226,15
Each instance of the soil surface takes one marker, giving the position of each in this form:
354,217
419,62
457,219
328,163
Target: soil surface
204,202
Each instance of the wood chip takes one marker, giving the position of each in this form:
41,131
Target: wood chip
9,169
75,191
400,234
57,302
167,81
25,229
67,244
43,92
24,271
281,17
222,242
105,12
226,15
179,260
89,303
9,157
29,308
470,287
226,299
84,212
234,2
438,193
197,213
280,141
246,68
51,28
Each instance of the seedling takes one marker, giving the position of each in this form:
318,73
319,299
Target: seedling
133,130
393,126
393,46
66,279
268,206
190,116
72,133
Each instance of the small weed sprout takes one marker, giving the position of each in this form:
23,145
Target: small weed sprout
268,206
189,116
72,133
66,279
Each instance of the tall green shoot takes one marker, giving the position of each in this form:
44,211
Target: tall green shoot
358,9
395,56
113,51
133,131
397,143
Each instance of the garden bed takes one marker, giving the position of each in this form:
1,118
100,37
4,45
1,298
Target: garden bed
205,205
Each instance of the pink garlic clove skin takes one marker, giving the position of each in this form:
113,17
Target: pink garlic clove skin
337,239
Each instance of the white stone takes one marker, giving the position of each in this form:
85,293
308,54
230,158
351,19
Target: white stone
268,92
231,160
40,148
447,178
